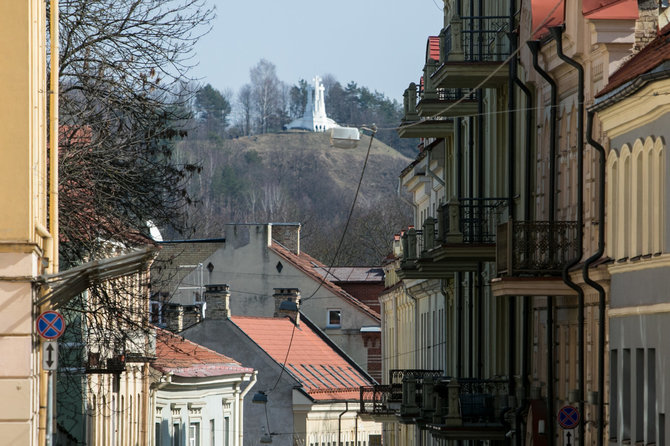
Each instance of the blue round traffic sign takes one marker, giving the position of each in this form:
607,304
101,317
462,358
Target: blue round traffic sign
50,325
568,417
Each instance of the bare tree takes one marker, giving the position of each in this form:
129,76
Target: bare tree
123,67
244,100
266,89
123,64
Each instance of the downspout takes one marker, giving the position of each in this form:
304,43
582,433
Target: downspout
240,411
511,179
534,47
585,273
557,33
430,172
405,200
459,276
339,423
526,300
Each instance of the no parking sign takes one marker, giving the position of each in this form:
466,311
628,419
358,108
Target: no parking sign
50,325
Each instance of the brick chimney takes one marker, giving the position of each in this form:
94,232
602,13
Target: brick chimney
287,294
174,317
286,234
646,26
218,301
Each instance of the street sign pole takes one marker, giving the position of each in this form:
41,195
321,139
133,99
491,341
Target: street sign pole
50,408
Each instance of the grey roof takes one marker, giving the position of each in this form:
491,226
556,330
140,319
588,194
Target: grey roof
353,273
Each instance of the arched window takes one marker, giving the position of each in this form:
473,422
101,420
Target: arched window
658,200
636,207
623,204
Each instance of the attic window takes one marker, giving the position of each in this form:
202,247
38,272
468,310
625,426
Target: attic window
334,319
279,267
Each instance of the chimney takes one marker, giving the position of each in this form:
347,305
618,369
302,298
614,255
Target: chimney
646,26
174,317
287,235
218,301
192,315
287,295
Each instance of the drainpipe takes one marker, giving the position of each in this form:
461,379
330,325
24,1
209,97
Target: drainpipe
596,285
534,47
557,33
511,179
240,412
430,172
339,423
525,300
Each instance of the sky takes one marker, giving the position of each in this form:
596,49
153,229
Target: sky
379,44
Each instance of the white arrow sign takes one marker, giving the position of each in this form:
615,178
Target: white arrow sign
49,355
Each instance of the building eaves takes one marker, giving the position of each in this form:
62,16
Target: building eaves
307,264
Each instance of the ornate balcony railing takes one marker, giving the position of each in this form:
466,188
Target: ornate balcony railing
470,220
378,400
415,242
535,247
476,39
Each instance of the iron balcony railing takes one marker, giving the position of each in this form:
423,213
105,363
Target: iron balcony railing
433,401
471,220
535,248
378,400
476,39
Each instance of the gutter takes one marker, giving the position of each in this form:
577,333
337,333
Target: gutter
595,285
339,423
557,33
240,411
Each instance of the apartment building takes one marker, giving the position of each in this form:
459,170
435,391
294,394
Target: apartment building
494,319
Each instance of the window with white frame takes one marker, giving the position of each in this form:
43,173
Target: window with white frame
334,318
194,434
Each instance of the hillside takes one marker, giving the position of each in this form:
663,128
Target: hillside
293,176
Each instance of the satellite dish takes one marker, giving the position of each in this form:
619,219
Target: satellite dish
344,137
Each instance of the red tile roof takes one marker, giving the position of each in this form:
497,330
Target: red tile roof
184,358
610,9
433,48
307,264
650,57
322,371
545,14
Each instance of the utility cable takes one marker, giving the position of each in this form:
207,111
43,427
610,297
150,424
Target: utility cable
337,251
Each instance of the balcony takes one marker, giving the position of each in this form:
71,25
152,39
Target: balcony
463,235
470,409
115,364
473,51
412,126
398,401
377,402
531,255
449,408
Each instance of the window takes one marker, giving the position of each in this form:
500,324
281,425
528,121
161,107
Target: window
194,434
212,433
176,433
157,434
334,319
226,431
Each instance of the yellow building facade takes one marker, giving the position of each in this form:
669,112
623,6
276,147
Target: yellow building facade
27,247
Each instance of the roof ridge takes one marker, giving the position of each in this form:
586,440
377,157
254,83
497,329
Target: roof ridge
290,256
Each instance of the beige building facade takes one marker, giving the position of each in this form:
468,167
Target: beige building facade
523,309
27,247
